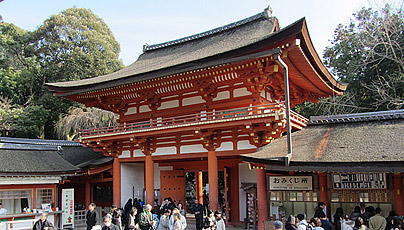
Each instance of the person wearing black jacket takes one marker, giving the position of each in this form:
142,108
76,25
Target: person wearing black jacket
197,208
91,216
108,225
43,223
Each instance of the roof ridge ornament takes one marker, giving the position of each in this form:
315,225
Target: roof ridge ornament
268,11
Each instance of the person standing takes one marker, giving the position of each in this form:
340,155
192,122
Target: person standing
210,221
197,208
338,217
43,223
91,216
360,224
3,211
146,219
177,222
130,222
377,222
220,225
321,208
301,222
165,220
205,200
278,225
108,225
182,219
291,223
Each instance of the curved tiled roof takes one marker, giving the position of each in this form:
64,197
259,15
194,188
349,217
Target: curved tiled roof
347,138
33,161
185,50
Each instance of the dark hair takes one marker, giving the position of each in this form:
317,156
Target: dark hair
358,222
313,221
378,210
392,213
92,204
370,210
321,203
339,211
357,209
114,206
300,216
289,220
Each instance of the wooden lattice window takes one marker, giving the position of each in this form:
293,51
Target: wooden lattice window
44,196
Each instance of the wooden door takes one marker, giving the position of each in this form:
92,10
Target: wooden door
172,184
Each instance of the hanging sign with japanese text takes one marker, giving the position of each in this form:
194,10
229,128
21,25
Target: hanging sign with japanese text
291,183
68,207
359,181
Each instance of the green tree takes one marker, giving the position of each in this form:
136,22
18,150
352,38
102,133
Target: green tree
369,55
72,45
76,44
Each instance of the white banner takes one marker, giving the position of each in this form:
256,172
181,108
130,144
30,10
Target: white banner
290,183
68,207
359,181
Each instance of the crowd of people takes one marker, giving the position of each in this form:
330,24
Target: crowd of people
136,215
362,218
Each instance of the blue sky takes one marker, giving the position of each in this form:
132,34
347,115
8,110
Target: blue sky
135,22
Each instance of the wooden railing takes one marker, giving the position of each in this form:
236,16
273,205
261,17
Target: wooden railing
202,116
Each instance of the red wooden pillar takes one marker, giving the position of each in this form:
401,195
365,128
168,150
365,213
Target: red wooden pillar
213,181
87,193
116,181
149,182
234,193
262,201
398,194
199,186
323,189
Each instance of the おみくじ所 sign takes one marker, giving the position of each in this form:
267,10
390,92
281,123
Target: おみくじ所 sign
291,183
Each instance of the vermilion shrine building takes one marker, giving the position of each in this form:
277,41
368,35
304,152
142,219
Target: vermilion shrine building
197,103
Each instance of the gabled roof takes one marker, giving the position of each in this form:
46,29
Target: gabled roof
179,52
356,140
215,47
34,162
22,155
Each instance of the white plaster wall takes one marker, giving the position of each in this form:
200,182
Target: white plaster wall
225,146
125,154
165,151
269,96
169,104
245,176
244,145
144,108
131,110
132,176
192,149
192,100
241,92
138,153
222,95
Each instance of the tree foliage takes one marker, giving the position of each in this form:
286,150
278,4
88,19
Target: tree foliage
72,45
80,118
368,54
